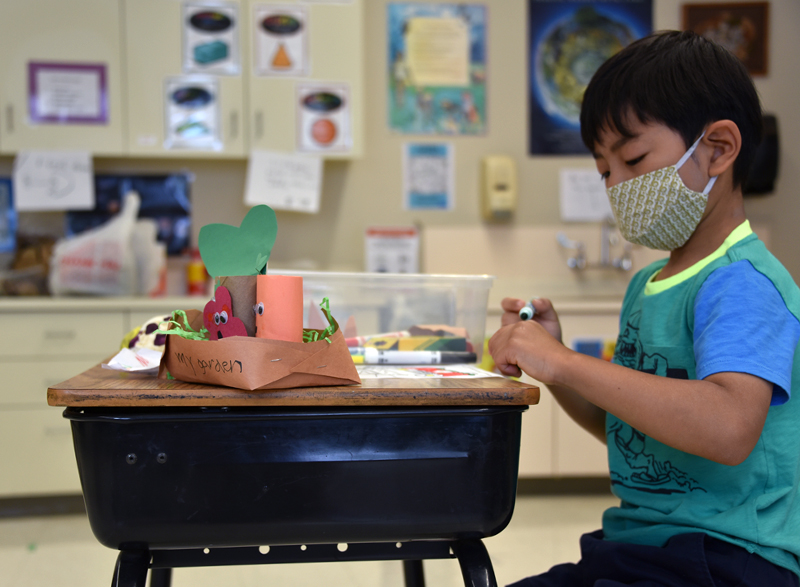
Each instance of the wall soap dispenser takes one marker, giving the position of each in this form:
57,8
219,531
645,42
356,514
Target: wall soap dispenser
498,187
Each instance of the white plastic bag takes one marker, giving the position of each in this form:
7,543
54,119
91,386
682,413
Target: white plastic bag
151,257
101,260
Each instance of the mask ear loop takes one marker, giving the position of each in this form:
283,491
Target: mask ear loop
688,154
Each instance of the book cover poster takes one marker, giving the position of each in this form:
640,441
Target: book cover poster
437,68
569,40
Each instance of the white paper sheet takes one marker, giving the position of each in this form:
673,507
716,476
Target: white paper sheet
143,360
284,181
583,196
423,372
53,180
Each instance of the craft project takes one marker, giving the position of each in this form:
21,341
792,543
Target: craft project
242,250
218,347
218,316
279,307
235,255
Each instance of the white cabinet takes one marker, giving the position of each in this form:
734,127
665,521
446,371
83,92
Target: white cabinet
154,55
336,56
49,341
36,454
80,42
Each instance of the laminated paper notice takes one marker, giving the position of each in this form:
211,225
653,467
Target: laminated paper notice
582,196
284,181
53,180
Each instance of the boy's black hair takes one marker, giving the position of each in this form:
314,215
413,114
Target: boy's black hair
679,79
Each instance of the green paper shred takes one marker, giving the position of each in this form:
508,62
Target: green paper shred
178,328
315,335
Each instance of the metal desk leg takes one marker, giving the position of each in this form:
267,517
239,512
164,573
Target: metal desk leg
160,577
476,566
131,569
413,573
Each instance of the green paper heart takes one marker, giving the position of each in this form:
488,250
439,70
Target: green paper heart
242,250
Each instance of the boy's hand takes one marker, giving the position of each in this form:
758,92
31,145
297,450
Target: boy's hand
545,314
530,346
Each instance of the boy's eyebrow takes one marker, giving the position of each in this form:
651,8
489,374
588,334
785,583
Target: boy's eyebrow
616,146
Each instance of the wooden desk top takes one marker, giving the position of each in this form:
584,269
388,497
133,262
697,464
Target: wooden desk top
98,387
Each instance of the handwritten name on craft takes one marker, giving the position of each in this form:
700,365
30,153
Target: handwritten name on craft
204,366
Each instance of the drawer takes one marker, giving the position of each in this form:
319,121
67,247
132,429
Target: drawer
25,381
61,334
36,453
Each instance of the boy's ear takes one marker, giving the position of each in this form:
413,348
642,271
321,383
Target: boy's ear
724,138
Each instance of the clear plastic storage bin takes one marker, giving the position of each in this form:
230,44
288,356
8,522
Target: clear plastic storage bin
391,302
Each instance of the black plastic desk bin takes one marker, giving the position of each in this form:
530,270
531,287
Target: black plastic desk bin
209,481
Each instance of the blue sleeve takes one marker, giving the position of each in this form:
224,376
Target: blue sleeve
742,325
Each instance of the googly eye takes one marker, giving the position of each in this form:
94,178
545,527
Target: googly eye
259,308
216,318
223,317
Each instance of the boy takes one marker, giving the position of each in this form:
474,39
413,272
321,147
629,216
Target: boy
696,408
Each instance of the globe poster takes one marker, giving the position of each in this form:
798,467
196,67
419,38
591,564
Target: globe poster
569,40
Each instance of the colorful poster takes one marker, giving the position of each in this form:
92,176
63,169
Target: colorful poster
437,68
428,176
281,34
569,40
67,93
323,118
192,113
211,38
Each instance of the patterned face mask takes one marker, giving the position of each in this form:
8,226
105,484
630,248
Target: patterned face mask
656,209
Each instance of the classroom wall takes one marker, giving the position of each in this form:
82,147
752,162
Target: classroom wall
368,191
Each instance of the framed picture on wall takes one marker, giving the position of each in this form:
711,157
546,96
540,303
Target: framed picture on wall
741,27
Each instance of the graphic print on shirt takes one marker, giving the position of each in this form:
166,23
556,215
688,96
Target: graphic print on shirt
646,472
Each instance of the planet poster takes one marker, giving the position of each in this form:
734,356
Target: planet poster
569,40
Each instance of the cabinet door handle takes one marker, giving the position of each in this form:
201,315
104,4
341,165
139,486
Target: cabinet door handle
10,118
259,124
59,334
234,124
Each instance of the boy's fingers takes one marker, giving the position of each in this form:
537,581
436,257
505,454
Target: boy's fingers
512,304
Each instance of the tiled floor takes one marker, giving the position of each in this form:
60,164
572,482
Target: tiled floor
61,551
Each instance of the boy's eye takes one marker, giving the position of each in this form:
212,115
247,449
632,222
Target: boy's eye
633,162
604,175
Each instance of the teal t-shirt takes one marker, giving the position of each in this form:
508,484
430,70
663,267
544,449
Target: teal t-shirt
664,491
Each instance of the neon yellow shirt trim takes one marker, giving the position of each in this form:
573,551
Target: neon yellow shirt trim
654,287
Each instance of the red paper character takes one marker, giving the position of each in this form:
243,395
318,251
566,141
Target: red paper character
218,316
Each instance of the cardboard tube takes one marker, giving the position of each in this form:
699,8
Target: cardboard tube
243,298
281,315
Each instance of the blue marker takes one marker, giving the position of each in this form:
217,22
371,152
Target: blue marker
527,312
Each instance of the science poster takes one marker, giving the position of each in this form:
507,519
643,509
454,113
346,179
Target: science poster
569,40
437,68
323,118
211,38
191,115
281,40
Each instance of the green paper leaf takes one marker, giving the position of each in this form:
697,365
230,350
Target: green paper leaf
242,250
261,264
